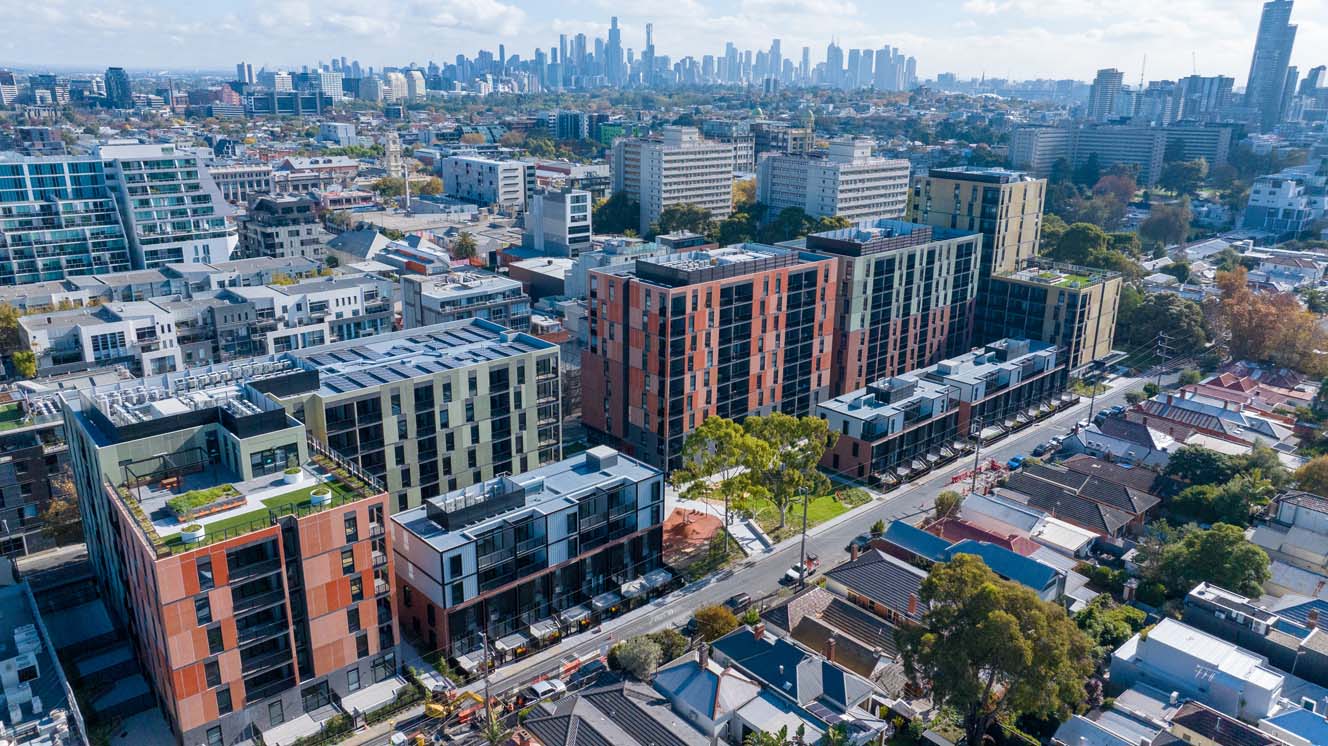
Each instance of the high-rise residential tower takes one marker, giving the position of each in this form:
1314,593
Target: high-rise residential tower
1103,94
1268,68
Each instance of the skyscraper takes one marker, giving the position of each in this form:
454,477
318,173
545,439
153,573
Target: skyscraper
1102,96
244,73
1268,68
613,53
118,93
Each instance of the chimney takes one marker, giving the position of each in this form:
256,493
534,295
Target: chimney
758,630
912,604
1312,618
1169,398
703,655
853,552
830,649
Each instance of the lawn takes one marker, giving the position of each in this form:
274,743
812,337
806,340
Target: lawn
819,511
296,497
11,416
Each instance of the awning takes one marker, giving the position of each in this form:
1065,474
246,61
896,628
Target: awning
543,629
470,662
605,601
634,588
511,642
961,446
656,578
933,456
575,614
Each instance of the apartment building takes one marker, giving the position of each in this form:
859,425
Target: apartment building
434,409
487,181
679,167
58,219
173,333
33,451
1288,203
169,205
1036,149
738,133
1004,206
745,329
282,226
559,222
1073,308
456,296
250,567
844,181
1003,386
783,138
905,297
240,183
530,558
892,430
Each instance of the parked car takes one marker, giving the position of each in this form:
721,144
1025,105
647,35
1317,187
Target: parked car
548,689
802,571
738,603
861,541
588,672
689,629
1118,409
1015,462
1043,448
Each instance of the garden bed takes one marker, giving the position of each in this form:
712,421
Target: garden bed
205,502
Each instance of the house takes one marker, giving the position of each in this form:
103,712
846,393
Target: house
1047,582
1296,540
1141,480
882,584
1086,500
1173,656
704,693
1197,724
845,633
1287,634
1297,727
621,714
1118,439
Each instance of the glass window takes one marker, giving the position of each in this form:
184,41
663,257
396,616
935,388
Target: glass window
347,561
223,701
357,588
353,680
203,610
352,528
276,714
204,567
353,619
361,645
215,644
214,736
212,672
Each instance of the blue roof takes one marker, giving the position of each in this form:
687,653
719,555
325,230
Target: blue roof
1300,613
1304,723
1007,564
917,541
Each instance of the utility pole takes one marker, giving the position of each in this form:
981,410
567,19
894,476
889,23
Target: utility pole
1096,377
802,549
1164,352
977,454
484,655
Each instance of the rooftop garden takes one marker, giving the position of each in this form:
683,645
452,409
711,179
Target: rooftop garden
11,416
343,486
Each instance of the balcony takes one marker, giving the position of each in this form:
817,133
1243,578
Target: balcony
264,661
260,632
253,570
258,601
382,587
377,529
379,559
530,545
267,690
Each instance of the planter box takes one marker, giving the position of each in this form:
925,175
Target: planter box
298,477
191,537
216,506
320,496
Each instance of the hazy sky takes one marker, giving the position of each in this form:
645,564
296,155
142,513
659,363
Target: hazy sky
1019,38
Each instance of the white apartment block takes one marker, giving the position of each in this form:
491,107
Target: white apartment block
559,222
240,183
171,207
846,181
415,86
394,87
486,181
677,168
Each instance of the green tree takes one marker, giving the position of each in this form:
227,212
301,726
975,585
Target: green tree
1109,624
1079,243
1199,465
769,738
638,656
9,337
494,731
432,187
1166,224
1190,376
1219,555
992,650
947,501
465,246
25,363
671,643
1140,317
1183,177
617,214
789,468
1313,476
1088,172
389,186
60,520
713,622
715,461
683,217
1053,227
1178,270
1241,497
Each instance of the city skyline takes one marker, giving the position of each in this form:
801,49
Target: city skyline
996,38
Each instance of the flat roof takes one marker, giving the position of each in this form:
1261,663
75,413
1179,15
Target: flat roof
400,356
545,490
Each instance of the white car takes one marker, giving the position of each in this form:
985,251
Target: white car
543,690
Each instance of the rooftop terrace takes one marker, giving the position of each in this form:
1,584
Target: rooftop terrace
1061,275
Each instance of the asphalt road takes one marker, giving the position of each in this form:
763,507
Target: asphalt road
759,575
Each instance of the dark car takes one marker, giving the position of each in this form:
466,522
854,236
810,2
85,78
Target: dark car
738,603
861,541
689,629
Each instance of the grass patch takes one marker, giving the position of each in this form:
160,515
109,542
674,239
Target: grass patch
195,499
11,416
1083,388
819,511
713,560
297,498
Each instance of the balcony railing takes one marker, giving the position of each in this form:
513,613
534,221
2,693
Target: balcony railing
264,661
258,601
260,632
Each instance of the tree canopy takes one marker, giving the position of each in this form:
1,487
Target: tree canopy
1270,327
465,246
683,217
617,214
787,467
992,649
713,622
1219,555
